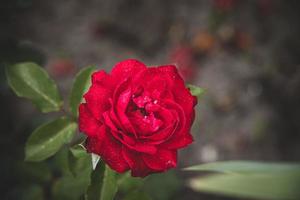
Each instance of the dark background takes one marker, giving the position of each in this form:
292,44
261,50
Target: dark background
244,53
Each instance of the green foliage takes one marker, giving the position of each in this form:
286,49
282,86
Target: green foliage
32,192
195,90
162,186
268,186
128,183
78,150
31,81
77,180
109,185
94,189
81,84
47,139
156,186
249,179
78,159
246,167
103,181
137,195
103,184
60,162
33,171
72,186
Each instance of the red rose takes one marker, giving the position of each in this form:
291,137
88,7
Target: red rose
136,118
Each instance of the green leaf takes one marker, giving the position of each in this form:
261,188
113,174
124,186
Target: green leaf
127,183
31,81
109,186
195,90
104,184
94,190
162,186
277,185
47,139
61,161
78,150
74,185
245,167
137,195
81,84
78,162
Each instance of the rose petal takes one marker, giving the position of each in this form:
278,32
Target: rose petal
181,137
127,68
87,123
178,141
145,125
170,121
182,95
121,100
136,163
134,144
127,140
162,160
108,149
102,78
173,82
97,99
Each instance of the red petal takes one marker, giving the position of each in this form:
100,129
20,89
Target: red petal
121,99
181,94
181,137
127,68
97,99
121,107
87,123
129,141
136,163
102,78
170,121
162,160
108,149
178,141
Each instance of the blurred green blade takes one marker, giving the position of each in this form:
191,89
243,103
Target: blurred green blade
269,186
47,139
31,81
195,90
81,84
245,167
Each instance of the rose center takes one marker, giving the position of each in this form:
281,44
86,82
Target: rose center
142,115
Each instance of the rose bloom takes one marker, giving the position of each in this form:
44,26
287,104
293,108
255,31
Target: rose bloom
137,117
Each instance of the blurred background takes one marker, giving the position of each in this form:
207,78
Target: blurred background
244,53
